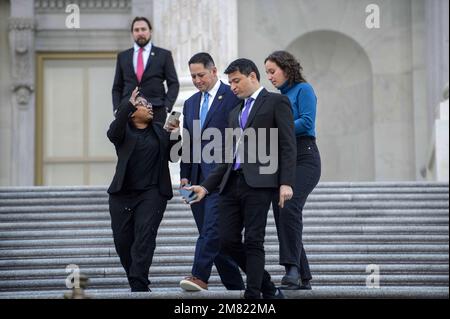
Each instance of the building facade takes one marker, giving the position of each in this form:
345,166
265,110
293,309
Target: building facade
379,69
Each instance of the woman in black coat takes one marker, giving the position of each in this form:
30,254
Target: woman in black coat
141,186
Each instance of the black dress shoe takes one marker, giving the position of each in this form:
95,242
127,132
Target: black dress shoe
290,283
278,295
306,285
141,289
290,287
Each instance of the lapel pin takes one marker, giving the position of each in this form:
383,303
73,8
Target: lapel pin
220,97
153,53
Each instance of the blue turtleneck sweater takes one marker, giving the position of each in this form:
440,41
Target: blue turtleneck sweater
303,102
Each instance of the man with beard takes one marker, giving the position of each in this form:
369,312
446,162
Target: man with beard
147,67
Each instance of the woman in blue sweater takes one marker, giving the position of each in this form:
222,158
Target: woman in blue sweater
285,73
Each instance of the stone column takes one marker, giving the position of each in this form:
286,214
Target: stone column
187,27
142,8
442,139
437,40
21,40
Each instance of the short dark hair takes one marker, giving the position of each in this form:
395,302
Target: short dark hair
136,19
289,64
245,66
202,58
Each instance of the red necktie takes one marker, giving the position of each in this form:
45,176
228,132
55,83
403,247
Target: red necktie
140,65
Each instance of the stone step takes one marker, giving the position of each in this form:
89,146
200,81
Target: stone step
312,198
163,240
183,270
177,215
165,231
43,193
189,249
400,226
171,281
321,292
314,258
413,184
180,206
190,223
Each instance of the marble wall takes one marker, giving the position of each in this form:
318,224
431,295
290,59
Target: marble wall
5,97
104,26
441,147
437,50
341,73
314,31
376,87
187,27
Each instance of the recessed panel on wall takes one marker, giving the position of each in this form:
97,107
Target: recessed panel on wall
75,110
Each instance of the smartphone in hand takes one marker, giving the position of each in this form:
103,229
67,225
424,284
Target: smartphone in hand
172,118
188,196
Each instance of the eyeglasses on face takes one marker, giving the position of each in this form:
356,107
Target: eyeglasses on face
143,102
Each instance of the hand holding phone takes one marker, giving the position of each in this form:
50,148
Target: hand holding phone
172,119
187,195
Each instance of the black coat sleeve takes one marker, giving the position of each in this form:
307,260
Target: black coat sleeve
116,131
287,146
173,85
186,167
117,88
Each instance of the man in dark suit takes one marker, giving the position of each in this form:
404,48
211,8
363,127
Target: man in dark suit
147,67
208,108
246,184
140,188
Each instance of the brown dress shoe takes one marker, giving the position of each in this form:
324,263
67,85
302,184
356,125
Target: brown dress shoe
193,284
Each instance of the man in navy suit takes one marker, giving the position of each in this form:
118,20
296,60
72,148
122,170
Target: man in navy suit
208,108
147,67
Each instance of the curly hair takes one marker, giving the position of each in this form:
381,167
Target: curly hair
289,64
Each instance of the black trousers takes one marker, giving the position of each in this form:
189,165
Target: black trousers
207,248
289,220
135,219
160,114
242,207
